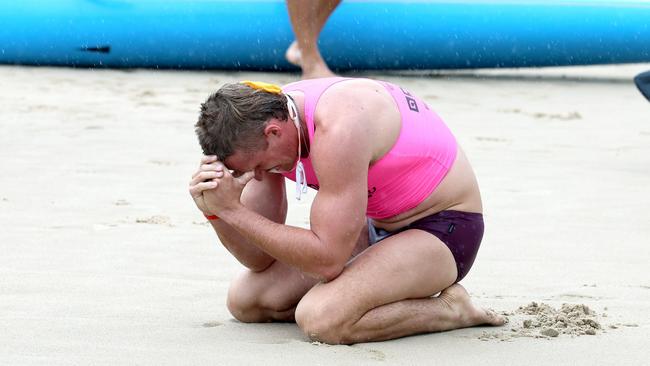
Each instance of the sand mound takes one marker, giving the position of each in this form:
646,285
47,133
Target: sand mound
573,319
540,320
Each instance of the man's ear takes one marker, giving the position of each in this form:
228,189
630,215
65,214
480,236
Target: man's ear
272,129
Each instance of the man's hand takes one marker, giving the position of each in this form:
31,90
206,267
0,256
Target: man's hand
227,194
210,175
205,178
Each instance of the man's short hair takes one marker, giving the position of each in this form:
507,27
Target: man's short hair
234,118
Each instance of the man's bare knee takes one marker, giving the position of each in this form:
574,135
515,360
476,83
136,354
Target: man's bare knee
260,297
321,321
243,304
251,298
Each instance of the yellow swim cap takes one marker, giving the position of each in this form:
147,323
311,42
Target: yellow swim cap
260,85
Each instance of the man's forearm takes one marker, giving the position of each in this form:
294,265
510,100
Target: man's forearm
266,198
294,246
245,252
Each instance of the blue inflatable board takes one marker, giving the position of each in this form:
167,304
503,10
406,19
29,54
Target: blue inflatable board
253,35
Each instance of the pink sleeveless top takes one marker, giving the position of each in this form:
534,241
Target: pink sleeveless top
421,157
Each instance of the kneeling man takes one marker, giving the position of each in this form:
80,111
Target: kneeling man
395,225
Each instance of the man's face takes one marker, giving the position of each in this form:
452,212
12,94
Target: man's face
280,154
242,162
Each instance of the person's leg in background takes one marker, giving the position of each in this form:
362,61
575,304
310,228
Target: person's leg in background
307,20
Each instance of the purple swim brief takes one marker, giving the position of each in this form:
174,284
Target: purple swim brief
460,231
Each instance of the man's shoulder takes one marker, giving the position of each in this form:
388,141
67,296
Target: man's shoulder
342,121
351,98
355,88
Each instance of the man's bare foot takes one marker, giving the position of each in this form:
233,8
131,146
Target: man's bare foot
293,54
469,314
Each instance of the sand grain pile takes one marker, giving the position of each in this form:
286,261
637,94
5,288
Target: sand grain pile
540,320
573,319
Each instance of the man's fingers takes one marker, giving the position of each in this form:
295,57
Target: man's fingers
246,177
197,189
204,176
217,165
208,174
241,179
206,159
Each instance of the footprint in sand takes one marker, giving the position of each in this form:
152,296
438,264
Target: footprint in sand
568,116
146,94
161,162
155,220
94,127
560,116
376,355
211,324
491,139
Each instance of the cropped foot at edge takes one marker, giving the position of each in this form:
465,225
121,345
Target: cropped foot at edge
293,54
311,68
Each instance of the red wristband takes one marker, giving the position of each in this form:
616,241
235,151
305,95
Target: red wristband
211,217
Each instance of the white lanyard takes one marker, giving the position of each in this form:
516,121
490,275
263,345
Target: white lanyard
301,177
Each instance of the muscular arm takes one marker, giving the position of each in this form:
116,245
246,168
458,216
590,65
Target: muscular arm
340,157
266,198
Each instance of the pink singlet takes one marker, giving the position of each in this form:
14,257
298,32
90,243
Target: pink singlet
421,157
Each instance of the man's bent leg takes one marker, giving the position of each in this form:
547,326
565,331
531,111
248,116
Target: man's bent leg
386,291
272,294
269,295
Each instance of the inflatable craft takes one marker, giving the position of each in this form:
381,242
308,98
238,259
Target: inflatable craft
254,34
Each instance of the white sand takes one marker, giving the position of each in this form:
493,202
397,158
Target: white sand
105,261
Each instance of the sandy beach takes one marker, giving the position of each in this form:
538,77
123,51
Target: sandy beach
106,261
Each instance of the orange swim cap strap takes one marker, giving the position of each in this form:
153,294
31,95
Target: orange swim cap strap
260,85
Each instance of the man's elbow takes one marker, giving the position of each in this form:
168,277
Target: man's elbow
326,274
332,263
259,265
330,269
